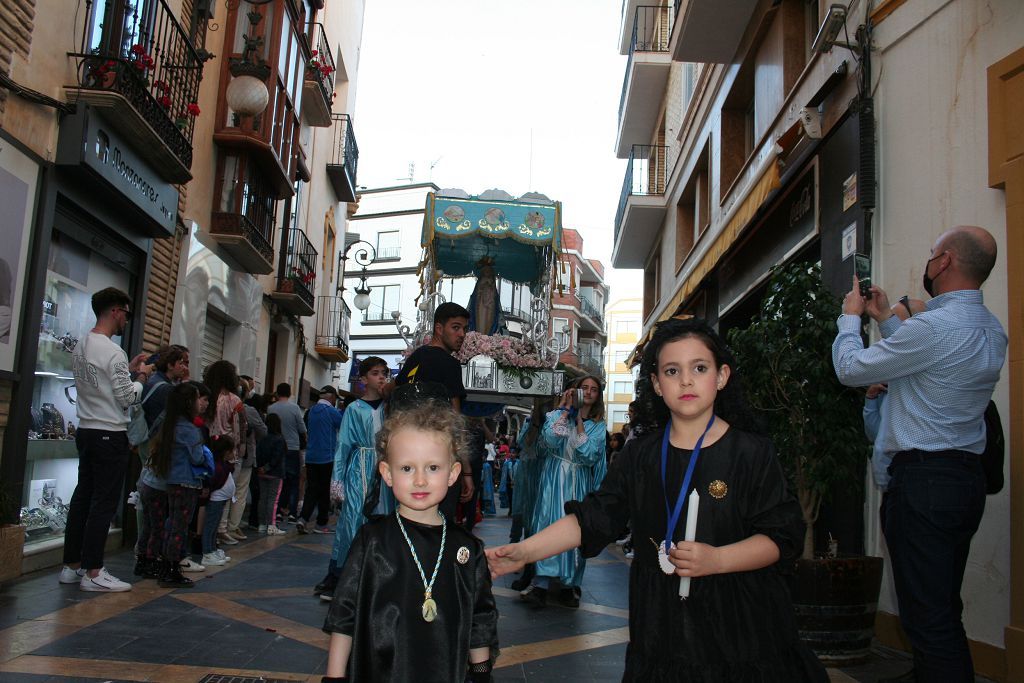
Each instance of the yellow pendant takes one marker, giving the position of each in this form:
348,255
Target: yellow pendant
429,609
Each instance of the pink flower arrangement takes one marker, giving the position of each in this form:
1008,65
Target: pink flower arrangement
505,351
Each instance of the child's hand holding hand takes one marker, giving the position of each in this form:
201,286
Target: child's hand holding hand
695,559
505,559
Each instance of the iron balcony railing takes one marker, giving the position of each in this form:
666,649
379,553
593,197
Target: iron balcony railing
591,364
251,214
389,254
591,310
140,51
652,31
345,151
376,316
297,273
321,67
333,319
645,176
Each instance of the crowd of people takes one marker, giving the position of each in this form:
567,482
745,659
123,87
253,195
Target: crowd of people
409,477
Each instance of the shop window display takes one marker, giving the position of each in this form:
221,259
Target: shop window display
74,272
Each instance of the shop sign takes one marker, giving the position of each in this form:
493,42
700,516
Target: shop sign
789,224
87,141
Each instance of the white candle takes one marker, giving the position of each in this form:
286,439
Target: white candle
693,502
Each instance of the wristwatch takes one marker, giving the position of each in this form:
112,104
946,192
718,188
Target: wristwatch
905,301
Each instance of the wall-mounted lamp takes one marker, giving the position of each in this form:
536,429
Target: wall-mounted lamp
247,93
363,256
834,23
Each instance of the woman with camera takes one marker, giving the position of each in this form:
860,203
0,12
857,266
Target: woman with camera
573,437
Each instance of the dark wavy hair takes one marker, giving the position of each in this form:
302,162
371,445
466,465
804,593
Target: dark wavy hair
730,404
181,405
221,376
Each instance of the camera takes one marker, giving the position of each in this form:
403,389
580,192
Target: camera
577,398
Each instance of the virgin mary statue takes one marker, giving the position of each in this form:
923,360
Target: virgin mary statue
484,306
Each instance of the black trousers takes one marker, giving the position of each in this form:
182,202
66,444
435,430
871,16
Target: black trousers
318,492
929,515
102,462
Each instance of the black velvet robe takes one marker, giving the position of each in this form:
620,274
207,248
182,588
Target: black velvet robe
380,594
734,628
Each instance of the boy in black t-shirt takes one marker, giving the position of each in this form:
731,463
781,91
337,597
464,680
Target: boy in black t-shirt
433,364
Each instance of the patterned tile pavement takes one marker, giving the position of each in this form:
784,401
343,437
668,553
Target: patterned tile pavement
256,617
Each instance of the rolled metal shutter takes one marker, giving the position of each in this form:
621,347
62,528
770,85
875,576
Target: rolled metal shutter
213,340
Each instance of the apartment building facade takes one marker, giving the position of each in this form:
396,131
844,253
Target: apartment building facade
578,308
623,324
385,235
762,133
196,155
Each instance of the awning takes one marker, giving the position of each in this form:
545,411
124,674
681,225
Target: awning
741,218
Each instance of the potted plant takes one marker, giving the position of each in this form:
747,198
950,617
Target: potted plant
817,426
12,536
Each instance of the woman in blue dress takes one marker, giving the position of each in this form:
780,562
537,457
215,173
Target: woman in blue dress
573,438
355,467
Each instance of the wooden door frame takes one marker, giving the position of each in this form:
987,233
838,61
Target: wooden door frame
1006,171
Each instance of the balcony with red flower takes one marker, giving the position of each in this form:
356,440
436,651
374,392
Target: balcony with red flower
138,66
318,88
296,275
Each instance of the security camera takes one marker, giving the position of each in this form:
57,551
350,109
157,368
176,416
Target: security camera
834,22
810,119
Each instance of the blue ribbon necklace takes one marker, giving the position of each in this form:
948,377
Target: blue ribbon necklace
673,515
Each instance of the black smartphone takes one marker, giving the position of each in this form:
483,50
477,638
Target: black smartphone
862,268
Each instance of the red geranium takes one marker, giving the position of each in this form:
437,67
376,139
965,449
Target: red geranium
192,109
165,101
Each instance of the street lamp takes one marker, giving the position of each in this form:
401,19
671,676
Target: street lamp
363,256
247,93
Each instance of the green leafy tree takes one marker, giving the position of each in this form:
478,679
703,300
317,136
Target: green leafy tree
785,356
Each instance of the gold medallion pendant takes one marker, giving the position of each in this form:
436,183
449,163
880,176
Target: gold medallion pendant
718,489
429,609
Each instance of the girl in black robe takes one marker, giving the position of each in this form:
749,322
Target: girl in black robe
737,625
378,619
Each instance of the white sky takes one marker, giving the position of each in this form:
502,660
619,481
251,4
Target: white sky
464,83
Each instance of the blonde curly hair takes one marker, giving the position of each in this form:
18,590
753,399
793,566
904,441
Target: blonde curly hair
433,418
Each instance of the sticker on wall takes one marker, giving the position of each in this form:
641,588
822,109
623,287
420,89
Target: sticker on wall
849,192
849,240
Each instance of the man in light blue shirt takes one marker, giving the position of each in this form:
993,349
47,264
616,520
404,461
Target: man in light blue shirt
941,367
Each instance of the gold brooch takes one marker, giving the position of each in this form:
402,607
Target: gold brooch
463,555
718,489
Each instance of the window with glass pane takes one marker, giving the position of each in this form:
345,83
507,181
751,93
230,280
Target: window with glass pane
383,300
619,417
389,245
623,387
558,327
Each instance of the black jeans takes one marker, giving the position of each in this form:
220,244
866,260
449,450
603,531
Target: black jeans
318,492
929,515
102,462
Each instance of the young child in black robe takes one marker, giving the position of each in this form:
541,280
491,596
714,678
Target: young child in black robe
414,601
737,623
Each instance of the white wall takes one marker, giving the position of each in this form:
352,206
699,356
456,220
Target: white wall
933,145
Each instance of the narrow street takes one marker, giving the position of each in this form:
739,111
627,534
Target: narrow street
256,617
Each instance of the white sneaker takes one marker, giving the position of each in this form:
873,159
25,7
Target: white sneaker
274,531
103,583
212,560
188,565
69,575
220,553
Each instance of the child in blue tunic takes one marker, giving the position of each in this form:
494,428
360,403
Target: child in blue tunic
355,466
